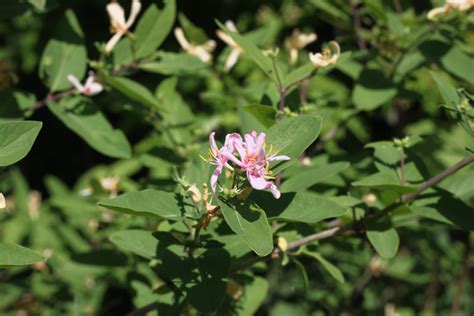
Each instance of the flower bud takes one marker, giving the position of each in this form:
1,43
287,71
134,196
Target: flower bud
282,244
195,194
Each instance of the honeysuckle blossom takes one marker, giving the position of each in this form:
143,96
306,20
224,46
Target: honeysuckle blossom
327,56
450,5
117,21
203,51
297,41
3,202
250,156
110,184
236,49
90,87
217,156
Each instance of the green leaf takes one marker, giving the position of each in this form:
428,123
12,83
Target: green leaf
9,9
303,207
134,90
15,104
299,74
255,290
456,62
15,255
302,271
175,64
445,208
263,113
372,90
310,177
194,33
178,112
384,180
201,275
331,9
140,242
252,51
153,28
292,136
16,140
250,223
43,5
85,119
448,92
146,203
65,54
332,269
384,238
122,54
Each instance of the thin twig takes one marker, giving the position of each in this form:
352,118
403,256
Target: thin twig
357,25
402,166
456,307
57,96
404,198
304,91
50,98
398,6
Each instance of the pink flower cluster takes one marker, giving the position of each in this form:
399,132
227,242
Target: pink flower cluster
249,156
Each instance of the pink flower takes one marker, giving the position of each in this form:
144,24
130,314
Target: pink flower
252,159
218,157
90,87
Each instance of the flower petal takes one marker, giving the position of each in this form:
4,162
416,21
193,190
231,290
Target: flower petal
276,193
231,157
232,59
136,7
75,82
215,177
112,42
212,142
183,42
116,15
3,202
258,182
95,88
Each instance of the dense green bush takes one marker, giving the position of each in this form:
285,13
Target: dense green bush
308,158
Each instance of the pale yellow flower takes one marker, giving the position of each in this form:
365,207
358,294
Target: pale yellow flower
117,21
3,202
327,57
449,6
236,49
297,41
203,51
110,184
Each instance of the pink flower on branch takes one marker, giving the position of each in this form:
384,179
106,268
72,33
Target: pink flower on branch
249,156
90,88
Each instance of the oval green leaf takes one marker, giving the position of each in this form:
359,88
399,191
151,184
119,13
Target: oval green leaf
250,223
146,203
16,255
16,140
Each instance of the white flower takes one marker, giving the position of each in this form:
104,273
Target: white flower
110,183
117,21
90,87
236,49
450,5
326,57
203,51
297,41
3,202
